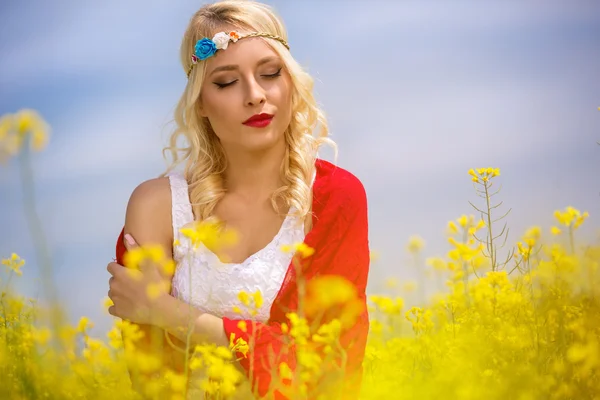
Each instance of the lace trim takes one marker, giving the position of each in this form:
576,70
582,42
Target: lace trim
181,212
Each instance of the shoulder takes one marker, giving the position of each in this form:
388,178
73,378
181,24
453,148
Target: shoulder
151,195
337,180
148,217
339,187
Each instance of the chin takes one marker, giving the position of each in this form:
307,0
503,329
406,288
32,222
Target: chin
262,141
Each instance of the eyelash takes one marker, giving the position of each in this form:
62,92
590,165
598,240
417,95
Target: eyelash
271,76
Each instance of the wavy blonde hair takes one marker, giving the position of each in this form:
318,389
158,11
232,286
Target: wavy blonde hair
203,155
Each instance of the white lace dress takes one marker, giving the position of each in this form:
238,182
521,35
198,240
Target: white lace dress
203,280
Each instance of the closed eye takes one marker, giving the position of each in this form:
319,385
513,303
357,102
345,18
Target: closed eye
224,85
275,75
269,76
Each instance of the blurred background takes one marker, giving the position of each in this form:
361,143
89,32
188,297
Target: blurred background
416,92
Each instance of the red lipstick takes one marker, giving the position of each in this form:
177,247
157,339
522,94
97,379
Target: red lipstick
259,120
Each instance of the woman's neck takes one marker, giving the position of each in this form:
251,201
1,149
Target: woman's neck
254,175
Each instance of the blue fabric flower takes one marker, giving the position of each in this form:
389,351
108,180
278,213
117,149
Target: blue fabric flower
205,48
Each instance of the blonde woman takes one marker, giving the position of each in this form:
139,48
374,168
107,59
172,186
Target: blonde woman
248,120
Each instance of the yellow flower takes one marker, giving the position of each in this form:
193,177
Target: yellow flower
115,339
387,305
7,125
30,122
300,248
555,230
415,244
258,299
41,335
485,174
135,257
168,267
298,329
332,294
178,382
107,303
570,217
525,251
437,263
532,235
84,324
409,286
238,345
244,298
210,234
284,371
154,290
14,263
452,228
464,221
475,228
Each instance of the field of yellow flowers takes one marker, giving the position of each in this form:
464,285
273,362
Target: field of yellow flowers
524,324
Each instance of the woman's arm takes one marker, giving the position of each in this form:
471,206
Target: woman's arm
148,220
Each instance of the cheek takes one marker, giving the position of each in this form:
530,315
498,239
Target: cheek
217,108
284,97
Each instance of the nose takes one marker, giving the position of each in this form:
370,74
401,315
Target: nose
255,93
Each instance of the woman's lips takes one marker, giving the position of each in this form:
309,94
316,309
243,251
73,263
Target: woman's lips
259,123
259,120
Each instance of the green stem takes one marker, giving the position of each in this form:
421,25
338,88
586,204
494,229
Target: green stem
571,239
489,218
38,237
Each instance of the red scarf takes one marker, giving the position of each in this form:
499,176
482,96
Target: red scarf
339,237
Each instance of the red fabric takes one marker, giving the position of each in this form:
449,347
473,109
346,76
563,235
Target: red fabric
339,237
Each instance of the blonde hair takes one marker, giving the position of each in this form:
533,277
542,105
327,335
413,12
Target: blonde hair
203,156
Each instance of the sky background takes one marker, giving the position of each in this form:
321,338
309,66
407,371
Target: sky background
416,93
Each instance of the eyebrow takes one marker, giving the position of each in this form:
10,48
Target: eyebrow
233,67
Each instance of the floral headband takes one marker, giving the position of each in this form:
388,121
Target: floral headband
207,47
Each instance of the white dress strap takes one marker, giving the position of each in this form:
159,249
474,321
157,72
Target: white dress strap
181,208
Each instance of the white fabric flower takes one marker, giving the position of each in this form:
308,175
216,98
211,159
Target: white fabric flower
221,40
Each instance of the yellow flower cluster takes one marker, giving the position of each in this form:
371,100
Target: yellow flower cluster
570,218
300,248
14,263
211,234
220,376
252,302
16,128
483,175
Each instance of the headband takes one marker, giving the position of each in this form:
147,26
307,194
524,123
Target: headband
207,47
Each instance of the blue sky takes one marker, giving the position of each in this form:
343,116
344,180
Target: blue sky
416,92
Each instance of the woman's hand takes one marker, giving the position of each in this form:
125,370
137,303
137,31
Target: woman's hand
136,294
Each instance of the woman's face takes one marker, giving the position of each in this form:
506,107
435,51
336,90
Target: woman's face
243,81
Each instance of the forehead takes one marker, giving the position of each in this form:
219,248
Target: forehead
245,52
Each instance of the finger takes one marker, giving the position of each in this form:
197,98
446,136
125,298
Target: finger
111,268
114,268
111,311
129,242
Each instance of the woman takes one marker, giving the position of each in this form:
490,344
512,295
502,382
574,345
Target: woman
248,115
